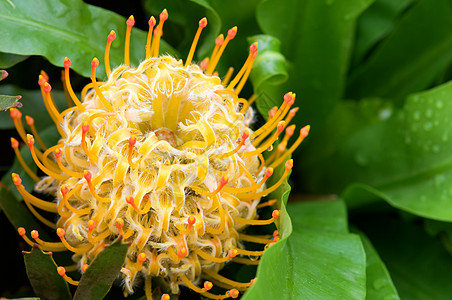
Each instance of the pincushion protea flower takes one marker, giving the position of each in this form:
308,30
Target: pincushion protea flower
163,156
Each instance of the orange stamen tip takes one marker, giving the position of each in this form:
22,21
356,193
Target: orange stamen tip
111,36
88,175
15,113
132,141
60,232
61,271
275,239
130,21
58,153
119,222
232,253
34,234
288,97
14,143
268,172
204,63
232,32
272,112
165,297
289,164
66,63
275,233
21,231
142,257
41,80
208,285
164,15
290,130
245,135
224,180
270,244
30,121
84,267
130,200
152,22
16,179
253,280
85,127
182,252
219,40
253,47
280,126
94,62
276,214
91,224
234,293
64,189
293,111
305,130
203,22
47,87
191,220
30,140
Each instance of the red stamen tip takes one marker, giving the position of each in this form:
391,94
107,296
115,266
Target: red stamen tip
34,234
234,293
224,180
58,153
21,231
30,140
203,22
305,130
164,15
141,257
61,271
130,21
3,74
253,47
130,200
67,62
64,189
14,143
111,36
245,135
47,87
276,214
119,223
288,97
232,32
191,220
165,297
84,267
182,252
30,121
88,175
16,179
85,127
208,285
275,233
15,113
275,239
60,232
132,141
280,126
94,62
91,224
41,80
152,22
232,253
268,172
219,40
289,164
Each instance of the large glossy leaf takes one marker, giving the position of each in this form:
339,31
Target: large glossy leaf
8,60
316,36
56,29
418,264
418,49
43,276
319,260
98,278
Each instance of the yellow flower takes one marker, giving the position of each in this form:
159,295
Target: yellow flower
163,156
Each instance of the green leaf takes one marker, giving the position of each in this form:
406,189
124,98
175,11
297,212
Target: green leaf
418,264
98,278
56,29
379,283
7,102
414,54
8,60
317,261
43,276
318,50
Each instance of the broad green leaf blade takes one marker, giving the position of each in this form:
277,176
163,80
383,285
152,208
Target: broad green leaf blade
8,60
376,23
379,282
319,50
98,278
412,56
43,276
317,261
7,102
418,264
68,28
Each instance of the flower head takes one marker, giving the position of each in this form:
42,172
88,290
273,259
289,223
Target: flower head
162,155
